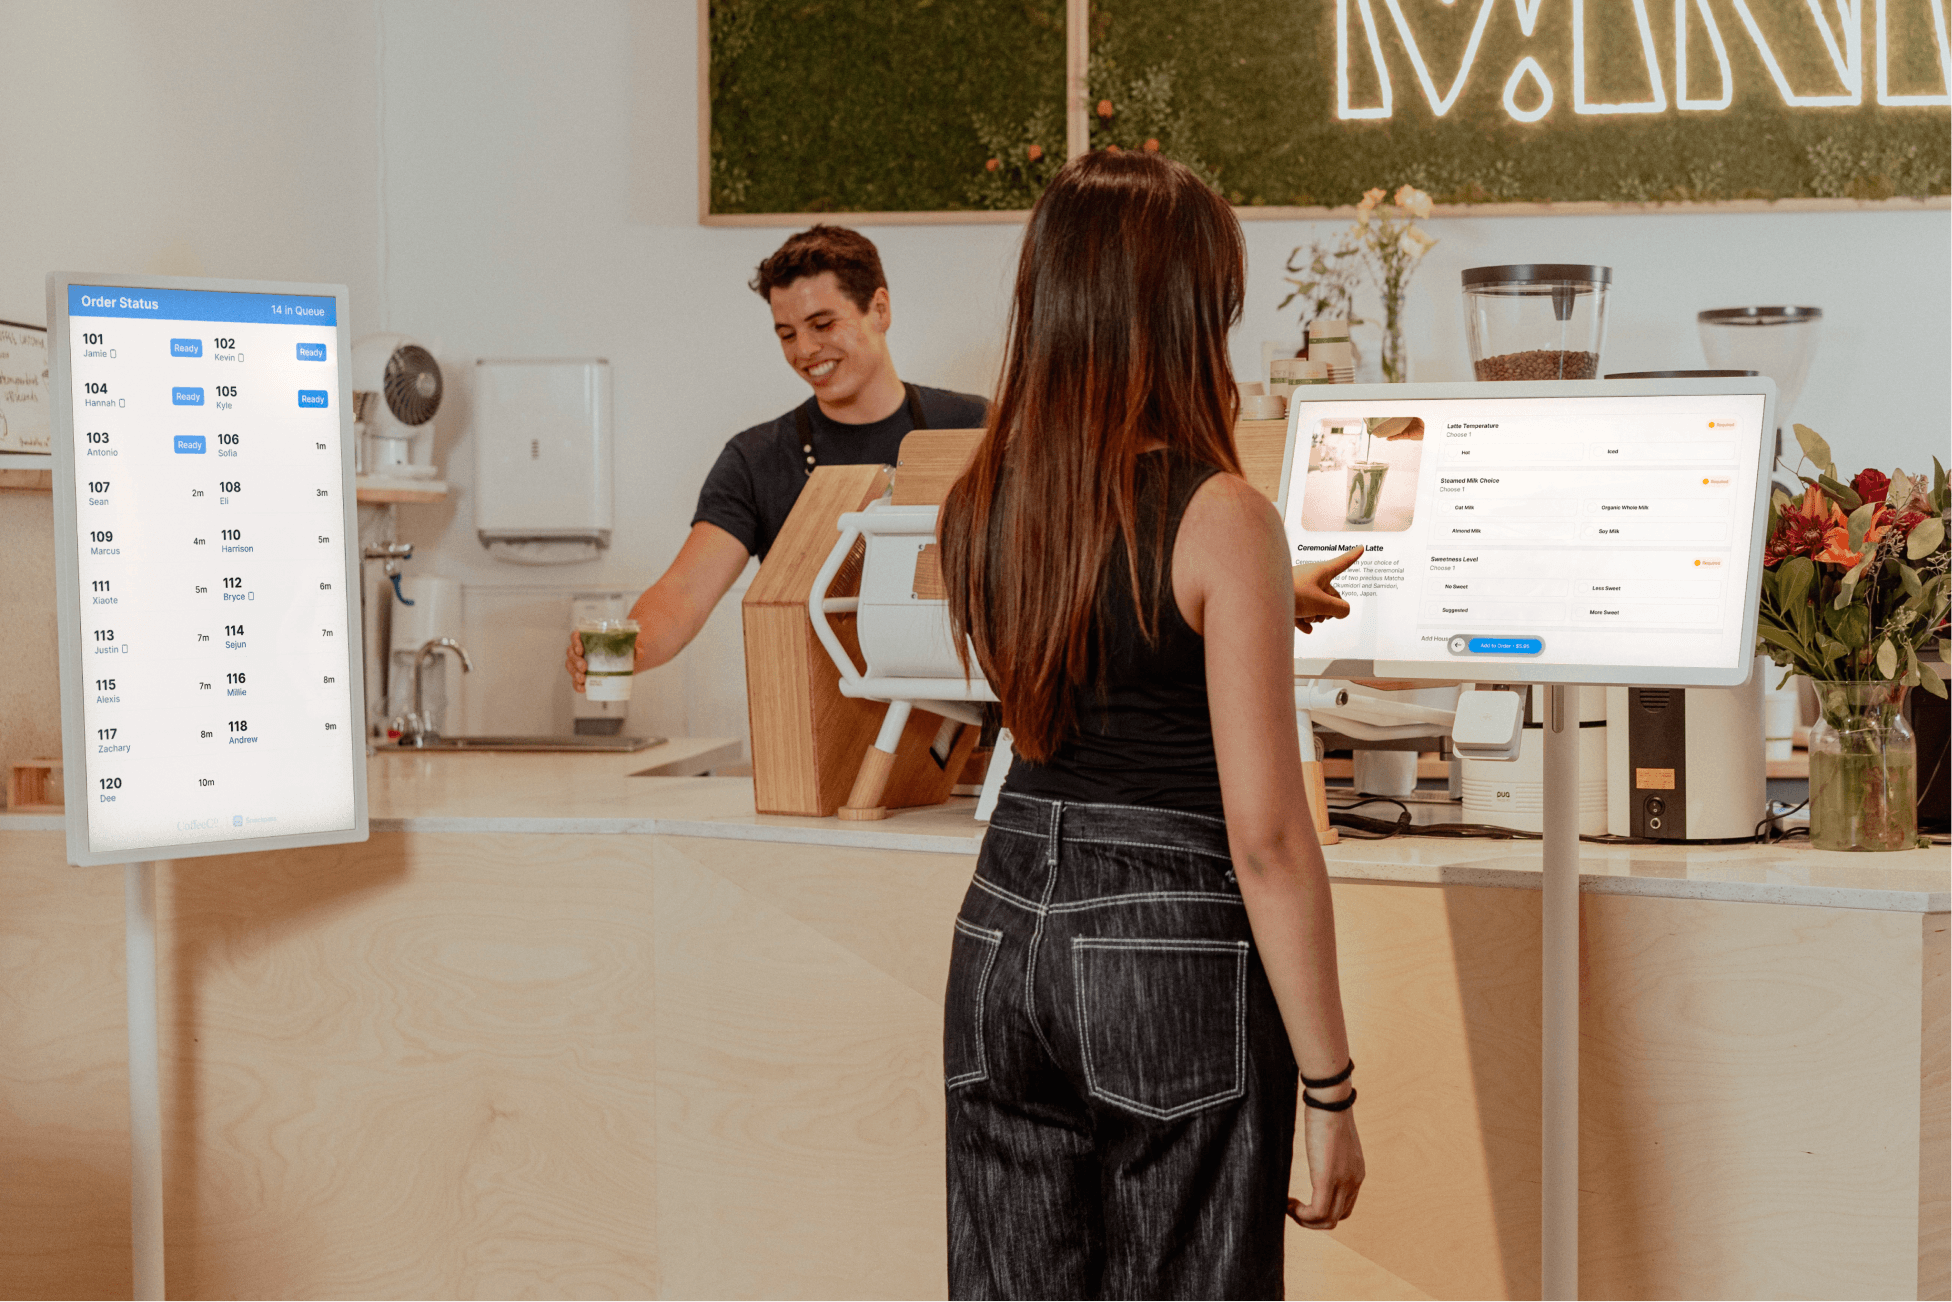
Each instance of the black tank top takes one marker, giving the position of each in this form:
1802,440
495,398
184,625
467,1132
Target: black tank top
1147,737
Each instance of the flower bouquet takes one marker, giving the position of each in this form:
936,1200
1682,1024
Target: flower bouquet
1854,586
1386,230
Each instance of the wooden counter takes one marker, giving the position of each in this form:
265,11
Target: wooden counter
560,1030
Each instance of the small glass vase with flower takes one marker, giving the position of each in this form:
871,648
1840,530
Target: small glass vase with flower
1854,586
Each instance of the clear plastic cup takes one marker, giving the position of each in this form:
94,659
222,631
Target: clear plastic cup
1365,490
610,647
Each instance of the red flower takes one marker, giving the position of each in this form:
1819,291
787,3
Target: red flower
992,165
1152,146
1036,152
1871,485
1797,534
1104,108
1908,521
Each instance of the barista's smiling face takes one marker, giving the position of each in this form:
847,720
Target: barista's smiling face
830,342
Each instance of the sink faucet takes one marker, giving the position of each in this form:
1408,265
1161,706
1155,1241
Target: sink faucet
419,731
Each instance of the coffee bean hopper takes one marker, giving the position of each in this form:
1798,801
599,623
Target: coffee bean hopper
1780,342
1536,321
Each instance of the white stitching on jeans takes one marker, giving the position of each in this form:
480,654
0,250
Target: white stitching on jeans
1095,804
1008,897
1152,845
1037,932
1079,944
994,939
1148,897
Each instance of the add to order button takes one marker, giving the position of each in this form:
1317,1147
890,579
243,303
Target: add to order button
311,397
1496,646
189,442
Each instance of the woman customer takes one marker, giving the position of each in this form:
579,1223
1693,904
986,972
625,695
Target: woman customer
1148,949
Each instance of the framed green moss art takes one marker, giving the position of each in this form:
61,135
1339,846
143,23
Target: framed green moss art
960,110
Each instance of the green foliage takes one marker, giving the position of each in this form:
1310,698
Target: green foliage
889,105
873,105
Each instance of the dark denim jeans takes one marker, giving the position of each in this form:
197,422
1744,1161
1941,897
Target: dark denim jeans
1121,1091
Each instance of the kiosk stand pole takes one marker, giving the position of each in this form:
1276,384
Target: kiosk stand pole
145,1084
1560,1001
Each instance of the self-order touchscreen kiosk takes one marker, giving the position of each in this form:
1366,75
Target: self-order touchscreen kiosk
1588,532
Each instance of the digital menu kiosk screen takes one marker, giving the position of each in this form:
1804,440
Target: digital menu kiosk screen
1597,538
212,568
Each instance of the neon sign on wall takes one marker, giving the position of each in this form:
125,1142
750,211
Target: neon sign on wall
1843,45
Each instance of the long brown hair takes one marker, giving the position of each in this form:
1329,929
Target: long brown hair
1131,274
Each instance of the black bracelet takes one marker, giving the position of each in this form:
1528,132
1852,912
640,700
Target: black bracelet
1343,1106
1327,1081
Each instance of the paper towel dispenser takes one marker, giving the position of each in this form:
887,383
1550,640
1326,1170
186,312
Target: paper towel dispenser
542,459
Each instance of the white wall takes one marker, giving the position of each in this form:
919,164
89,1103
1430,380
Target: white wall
537,180
185,138
541,196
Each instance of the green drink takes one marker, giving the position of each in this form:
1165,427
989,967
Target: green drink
1365,490
610,647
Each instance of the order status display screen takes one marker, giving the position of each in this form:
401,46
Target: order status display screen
216,649
1523,531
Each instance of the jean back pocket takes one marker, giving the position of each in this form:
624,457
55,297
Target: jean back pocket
1162,1023
972,959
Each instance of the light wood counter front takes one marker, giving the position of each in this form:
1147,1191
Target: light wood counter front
556,1030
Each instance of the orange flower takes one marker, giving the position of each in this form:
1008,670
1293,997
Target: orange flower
1036,152
992,165
1836,542
1152,146
1111,149
1104,108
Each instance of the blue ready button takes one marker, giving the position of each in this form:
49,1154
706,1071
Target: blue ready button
311,397
1505,646
183,397
311,352
186,348
189,443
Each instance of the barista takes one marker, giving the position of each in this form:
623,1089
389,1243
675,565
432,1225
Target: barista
831,314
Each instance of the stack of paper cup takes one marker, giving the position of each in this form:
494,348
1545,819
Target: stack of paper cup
1328,342
1290,373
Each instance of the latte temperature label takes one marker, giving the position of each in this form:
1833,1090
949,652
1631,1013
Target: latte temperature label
212,561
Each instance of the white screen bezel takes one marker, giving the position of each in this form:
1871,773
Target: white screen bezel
67,568
1521,669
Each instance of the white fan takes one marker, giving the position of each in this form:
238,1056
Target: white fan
397,389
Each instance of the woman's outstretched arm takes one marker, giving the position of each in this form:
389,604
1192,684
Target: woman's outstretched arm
1233,583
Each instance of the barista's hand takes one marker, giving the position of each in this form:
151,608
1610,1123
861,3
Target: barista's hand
574,661
1401,427
1315,594
1335,1167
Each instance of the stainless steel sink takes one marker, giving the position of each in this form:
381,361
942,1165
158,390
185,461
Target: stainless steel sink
576,744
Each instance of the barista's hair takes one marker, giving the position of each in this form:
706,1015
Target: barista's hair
1131,274
850,255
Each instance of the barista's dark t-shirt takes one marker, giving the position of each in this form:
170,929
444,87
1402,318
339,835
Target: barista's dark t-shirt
759,476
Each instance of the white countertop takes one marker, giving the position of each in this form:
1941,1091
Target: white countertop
598,795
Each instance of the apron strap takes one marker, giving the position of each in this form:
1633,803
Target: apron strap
804,424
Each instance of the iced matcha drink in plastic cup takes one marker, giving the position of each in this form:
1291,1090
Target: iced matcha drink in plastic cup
610,647
1365,490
